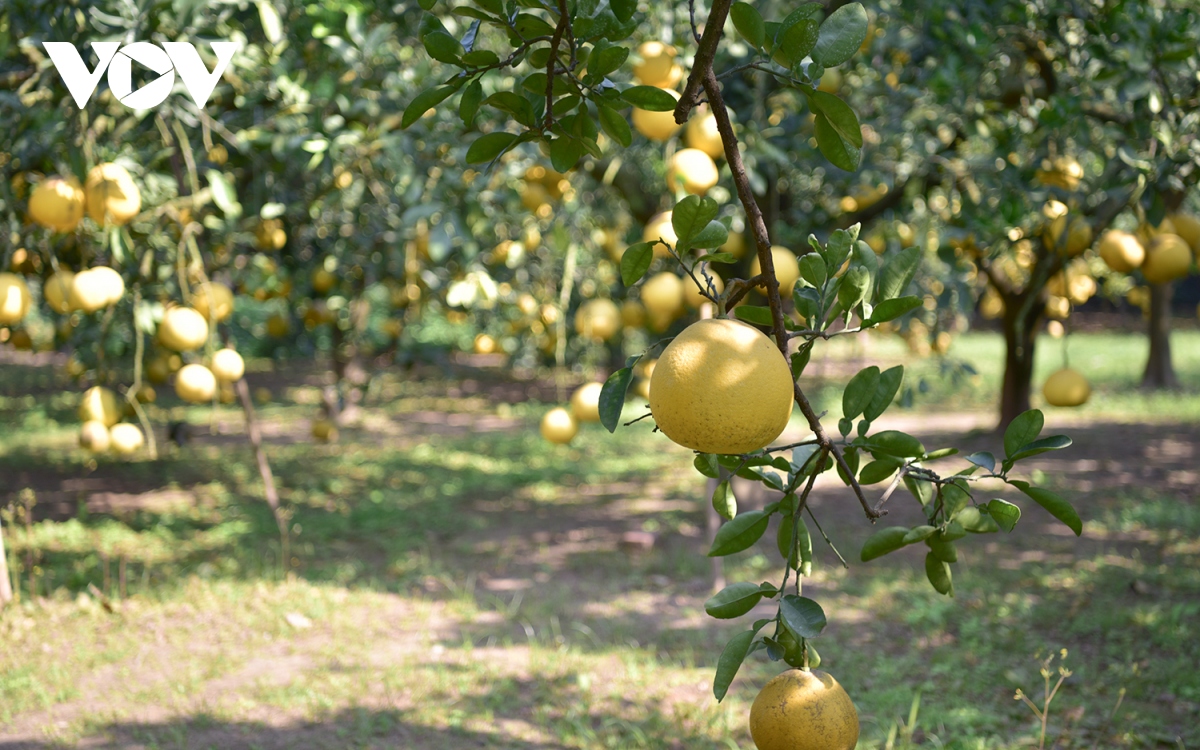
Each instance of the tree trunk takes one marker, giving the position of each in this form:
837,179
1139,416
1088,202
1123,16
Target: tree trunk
1159,372
1020,335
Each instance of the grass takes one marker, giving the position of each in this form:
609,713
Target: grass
459,583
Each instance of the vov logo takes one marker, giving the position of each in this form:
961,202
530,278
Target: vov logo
167,60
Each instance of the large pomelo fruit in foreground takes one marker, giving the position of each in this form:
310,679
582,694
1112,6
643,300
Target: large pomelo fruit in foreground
721,386
803,710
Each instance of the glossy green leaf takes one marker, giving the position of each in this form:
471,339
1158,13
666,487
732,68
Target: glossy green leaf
425,101
706,464
938,573
635,261
1022,431
1044,445
724,502
649,98
890,309
760,316
734,600
842,33
691,215
860,391
983,460
840,153
884,541
731,660
1004,513
740,533
1057,506
975,521
469,104
889,384
878,470
612,397
896,275
615,125
895,443
489,146
749,23
803,616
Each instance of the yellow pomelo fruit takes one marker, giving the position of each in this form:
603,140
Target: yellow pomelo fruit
146,395
831,81
660,228
125,439
658,66
278,326
214,296
559,426
803,710
158,369
93,436
99,404
1077,231
598,319
735,245
112,196
195,384
324,430
1066,387
693,170
1168,258
721,386
585,402
323,281
1121,250
691,292
228,366
1058,307
270,234
96,288
1188,227
633,314
57,203
787,269
1147,232
657,126
57,290
991,305
14,298
662,296
182,329
702,134
484,344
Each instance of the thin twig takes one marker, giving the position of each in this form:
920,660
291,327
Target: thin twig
826,538
563,22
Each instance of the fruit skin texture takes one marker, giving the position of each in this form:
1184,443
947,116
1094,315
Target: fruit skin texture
657,126
585,402
112,196
195,384
1167,258
99,404
559,426
693,170
598,319
803,710
93,436
96,288
14,298
125,439
182,329
228,366
57,290
1121,251
57,203
1066,387
721,386
787,269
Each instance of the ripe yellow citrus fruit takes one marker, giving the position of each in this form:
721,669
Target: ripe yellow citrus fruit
14,298
484,344
323,281
324,430
1147,231
278,326
228,366
787,269
1064,172
158,368
660,228
735,245
585,402
1058,307
598,319
93,436
1188,227
270,234
662,295
702,134
559,426
214,296
99,404
633,314
1066,387
57,203
182,329
693,170
803,710
112,196
991,305
1168,258
657,126
125,439
721,386
1121,250
691,291
96,288
1078,235
195,384
657,66
57,290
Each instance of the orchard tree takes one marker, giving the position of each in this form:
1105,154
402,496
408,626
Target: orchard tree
551,78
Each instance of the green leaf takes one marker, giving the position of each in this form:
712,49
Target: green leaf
896,274
690,216
469,104
480,58
855,285
740,533
706,464
842,33
954,499
972,519
812,270
919,534
223,193
565,153
1022,431
489,146
615,125
879,470
922,490
724,502
895,443
731,660
889,383
606,58
623,10
734,600
717,257
529,26
800,361
425,101
938,573
983,460
840,116
649,98
635,261
749,24
890,309
803,616
1005,513
713,235
612,397
443,47
1052,443
834,147
1057,506
859,391
794,42
759,316
942,550
884,541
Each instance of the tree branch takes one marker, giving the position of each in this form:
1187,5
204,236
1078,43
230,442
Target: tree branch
702,66
563,22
